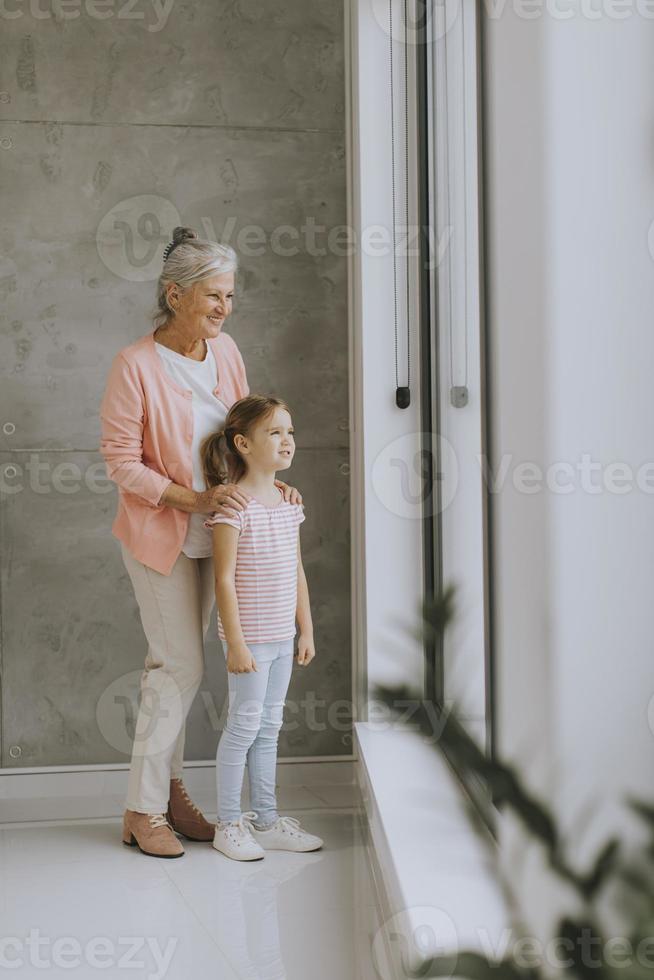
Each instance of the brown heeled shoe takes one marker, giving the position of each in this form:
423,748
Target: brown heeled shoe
151,833
184,816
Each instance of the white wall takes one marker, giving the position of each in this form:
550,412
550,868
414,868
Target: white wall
570,155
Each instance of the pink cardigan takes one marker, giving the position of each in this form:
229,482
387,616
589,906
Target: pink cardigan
147,429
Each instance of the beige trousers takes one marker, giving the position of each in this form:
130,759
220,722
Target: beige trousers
175,613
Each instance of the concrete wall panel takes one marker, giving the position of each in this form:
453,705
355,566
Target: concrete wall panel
216,115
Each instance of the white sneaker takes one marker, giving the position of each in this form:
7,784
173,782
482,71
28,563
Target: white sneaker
286,835
233,838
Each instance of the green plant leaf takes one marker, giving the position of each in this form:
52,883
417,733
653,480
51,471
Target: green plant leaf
604,865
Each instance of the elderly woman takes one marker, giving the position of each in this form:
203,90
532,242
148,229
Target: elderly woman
164,394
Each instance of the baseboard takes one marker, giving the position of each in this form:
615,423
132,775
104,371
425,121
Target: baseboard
91,793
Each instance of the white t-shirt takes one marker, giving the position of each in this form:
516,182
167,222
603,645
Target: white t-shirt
209,414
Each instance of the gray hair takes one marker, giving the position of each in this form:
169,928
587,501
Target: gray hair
187,260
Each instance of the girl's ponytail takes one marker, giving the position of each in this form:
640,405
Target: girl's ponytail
213,456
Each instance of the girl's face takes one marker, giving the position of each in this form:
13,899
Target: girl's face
270,445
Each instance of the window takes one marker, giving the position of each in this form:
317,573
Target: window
453,403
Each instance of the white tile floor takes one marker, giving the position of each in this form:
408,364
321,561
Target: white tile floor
73,898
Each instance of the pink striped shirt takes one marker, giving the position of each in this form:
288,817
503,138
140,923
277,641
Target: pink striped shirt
266,568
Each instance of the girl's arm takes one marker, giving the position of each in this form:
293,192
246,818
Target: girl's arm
306,651
225,543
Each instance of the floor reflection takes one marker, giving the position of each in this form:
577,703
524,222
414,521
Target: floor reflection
288,917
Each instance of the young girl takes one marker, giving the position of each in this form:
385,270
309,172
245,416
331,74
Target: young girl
261,589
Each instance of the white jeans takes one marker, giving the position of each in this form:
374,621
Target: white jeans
175,614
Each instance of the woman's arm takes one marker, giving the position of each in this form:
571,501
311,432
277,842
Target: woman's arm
122,415
226,495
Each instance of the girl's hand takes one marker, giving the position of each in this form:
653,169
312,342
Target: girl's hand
227,496
305,650
291,494
240,660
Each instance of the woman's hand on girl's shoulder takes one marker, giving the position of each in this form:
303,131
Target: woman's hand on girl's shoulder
228,497
305,650
291,494
240,659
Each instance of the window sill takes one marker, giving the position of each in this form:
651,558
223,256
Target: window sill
434,872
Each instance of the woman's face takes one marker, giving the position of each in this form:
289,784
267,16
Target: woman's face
201,310
271,443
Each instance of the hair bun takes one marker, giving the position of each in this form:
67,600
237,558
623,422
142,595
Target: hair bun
181,234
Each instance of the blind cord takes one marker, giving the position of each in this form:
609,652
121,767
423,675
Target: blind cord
402,393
